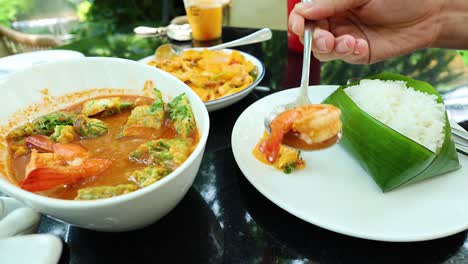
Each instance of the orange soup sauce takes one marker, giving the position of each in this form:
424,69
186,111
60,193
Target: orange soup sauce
105,147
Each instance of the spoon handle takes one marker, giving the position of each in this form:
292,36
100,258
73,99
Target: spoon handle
303,95
259,36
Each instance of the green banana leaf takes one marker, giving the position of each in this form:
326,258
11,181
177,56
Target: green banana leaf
389,157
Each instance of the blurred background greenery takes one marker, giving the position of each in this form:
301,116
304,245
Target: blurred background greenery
97,16
430,65
90,17
114,20
464,54
12,11
108,25
9,10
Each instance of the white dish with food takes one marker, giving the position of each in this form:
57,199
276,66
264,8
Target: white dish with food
226,101
334,192
53,86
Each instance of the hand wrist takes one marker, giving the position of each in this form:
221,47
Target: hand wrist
453,25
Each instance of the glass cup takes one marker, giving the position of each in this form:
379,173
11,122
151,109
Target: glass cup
205,18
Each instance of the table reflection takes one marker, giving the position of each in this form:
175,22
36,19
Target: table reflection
191,228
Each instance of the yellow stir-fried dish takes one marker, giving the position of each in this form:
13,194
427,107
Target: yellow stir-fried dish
211,74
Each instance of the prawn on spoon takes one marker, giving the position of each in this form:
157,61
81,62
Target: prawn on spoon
302,124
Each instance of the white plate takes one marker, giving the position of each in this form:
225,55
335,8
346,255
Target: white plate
25,60
335,193
224,102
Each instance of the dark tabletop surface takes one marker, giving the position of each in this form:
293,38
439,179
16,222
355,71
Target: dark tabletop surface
223,218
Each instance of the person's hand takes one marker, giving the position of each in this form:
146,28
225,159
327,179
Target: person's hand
368,31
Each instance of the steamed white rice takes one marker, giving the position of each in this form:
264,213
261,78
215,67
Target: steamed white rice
415,114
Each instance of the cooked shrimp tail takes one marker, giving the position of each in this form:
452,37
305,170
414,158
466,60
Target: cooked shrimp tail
65,163
40,142
279,126
312,123
70,150
41,179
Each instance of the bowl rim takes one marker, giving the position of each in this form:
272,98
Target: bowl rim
246,90
14,190
261,68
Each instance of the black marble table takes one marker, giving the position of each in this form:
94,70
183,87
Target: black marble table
223,218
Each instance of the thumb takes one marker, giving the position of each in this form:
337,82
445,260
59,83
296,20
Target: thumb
322,9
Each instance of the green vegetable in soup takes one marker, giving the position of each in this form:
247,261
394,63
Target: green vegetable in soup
168,153
148,175
90,127
63,134
21,132
45,124
181,115
19,148
100,192
17,136
145,117
105,107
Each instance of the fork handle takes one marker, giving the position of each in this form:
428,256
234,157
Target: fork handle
460,138
460,133
462,149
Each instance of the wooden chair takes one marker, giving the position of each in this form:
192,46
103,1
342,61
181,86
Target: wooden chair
18,42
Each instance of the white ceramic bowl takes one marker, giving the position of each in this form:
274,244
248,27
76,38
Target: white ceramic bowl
224,102
121,213
21,61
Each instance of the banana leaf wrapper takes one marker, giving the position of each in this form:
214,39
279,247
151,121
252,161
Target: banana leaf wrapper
389,157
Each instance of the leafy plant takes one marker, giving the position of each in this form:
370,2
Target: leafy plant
271,49
9,9
83,10
117,45
101,16
464,54
430,65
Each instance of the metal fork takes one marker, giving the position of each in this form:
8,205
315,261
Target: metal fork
460,138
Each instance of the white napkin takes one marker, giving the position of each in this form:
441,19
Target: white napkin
37,249
21,221
16,218
17,245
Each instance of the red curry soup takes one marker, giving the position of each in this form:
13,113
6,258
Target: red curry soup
102,147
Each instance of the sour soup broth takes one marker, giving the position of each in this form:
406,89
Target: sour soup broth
102,147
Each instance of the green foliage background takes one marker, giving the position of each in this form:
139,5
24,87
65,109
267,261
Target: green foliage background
106,22
464,54
101,16
9,9
430,65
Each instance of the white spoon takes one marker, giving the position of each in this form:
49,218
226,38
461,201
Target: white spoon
168,50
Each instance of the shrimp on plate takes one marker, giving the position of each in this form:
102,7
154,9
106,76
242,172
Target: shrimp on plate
56,164
313,124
